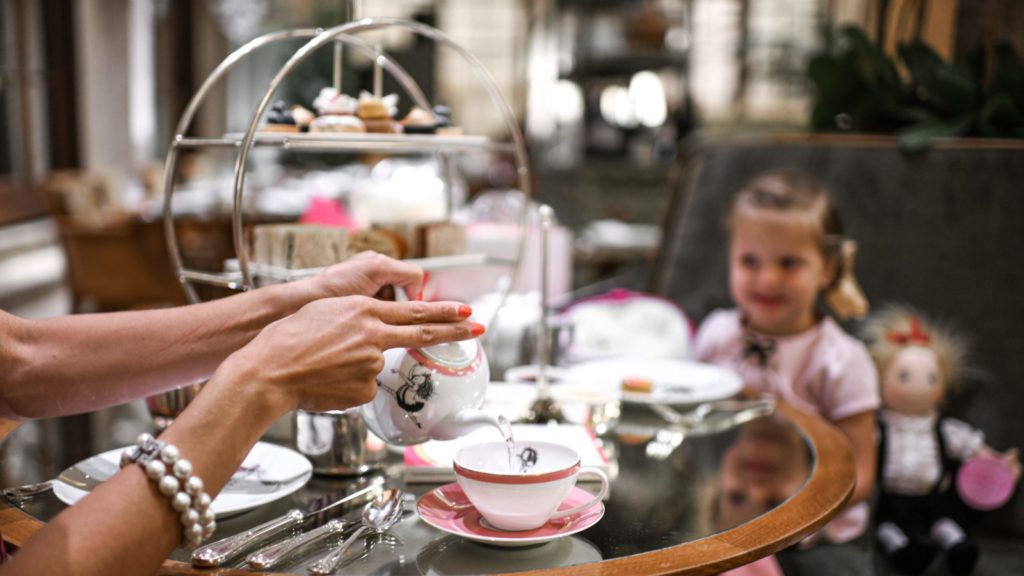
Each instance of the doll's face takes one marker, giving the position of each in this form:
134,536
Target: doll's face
913,382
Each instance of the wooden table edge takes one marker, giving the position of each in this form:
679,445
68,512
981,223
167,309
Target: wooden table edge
822,497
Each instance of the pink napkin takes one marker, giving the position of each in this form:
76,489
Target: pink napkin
326,212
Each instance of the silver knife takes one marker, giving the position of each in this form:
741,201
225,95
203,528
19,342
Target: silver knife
271,556
85,475
318,513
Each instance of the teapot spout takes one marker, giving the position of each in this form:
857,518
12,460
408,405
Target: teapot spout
464,422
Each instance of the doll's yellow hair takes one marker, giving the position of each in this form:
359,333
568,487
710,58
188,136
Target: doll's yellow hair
898,326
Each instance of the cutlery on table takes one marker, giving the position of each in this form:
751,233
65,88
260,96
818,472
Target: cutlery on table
319,512
379,515
271,556
85,475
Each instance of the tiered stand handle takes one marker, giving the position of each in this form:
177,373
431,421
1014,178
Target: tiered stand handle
180,141
344,34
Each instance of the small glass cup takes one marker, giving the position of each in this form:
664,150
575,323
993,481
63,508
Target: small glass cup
165,407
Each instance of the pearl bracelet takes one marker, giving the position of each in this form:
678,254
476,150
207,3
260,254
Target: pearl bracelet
173,476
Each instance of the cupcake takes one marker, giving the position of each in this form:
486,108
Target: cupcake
337,123
330,101
377,113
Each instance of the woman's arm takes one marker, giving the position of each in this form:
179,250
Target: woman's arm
325,356
861,430
75,364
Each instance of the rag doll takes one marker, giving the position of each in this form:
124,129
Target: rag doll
919,514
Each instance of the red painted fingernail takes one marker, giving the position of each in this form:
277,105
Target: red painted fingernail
420,295
464,311
477,329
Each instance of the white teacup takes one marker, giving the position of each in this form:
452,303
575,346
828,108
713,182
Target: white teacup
522,500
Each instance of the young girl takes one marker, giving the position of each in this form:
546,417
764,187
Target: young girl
787,250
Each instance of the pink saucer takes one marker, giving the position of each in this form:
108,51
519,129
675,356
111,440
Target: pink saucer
457,516
985,483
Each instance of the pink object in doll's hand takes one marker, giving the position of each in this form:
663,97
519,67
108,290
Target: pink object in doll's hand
985,482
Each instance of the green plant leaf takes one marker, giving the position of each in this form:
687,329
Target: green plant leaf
944,87
922,135
1000,117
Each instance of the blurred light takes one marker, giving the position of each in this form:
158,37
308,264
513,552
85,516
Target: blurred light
616,108
566,102
647,99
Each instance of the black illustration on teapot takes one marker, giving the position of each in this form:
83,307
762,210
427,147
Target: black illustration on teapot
416,389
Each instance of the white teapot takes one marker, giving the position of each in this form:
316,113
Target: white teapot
430,393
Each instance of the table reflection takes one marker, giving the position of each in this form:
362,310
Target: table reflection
705,481
766,464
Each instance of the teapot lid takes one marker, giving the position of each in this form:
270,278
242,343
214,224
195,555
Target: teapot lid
453,354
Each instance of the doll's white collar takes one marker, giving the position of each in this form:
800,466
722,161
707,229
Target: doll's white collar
908,421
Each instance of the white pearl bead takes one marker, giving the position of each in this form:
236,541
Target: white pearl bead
181,502
155,469
168,485
126,458
143,439
169,454
182,469
208,529
189,517
194,485
202,501
207,516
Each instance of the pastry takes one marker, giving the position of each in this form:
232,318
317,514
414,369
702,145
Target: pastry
377,113
302,117
444,122
419,121
443,239
382,241
381,126
298,246
279,119
337,123
635,384
329,101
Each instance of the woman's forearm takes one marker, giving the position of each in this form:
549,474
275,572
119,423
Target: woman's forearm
126,526
76,364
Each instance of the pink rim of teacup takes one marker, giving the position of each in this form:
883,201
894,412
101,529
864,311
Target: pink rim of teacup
516,478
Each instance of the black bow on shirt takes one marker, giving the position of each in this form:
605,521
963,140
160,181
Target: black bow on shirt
758,347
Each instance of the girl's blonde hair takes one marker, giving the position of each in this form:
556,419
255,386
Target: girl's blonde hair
898,326
805,200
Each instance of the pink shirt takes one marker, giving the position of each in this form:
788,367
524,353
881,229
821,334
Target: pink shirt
823,371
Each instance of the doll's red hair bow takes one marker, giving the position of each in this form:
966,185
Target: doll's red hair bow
914,336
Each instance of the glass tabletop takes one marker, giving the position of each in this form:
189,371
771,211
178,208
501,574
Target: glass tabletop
671,483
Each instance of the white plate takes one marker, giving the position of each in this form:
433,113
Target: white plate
674,381
268,473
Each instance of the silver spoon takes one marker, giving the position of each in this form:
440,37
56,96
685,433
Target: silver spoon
378,515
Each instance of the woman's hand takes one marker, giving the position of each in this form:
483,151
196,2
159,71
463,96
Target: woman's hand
327,355
364,274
